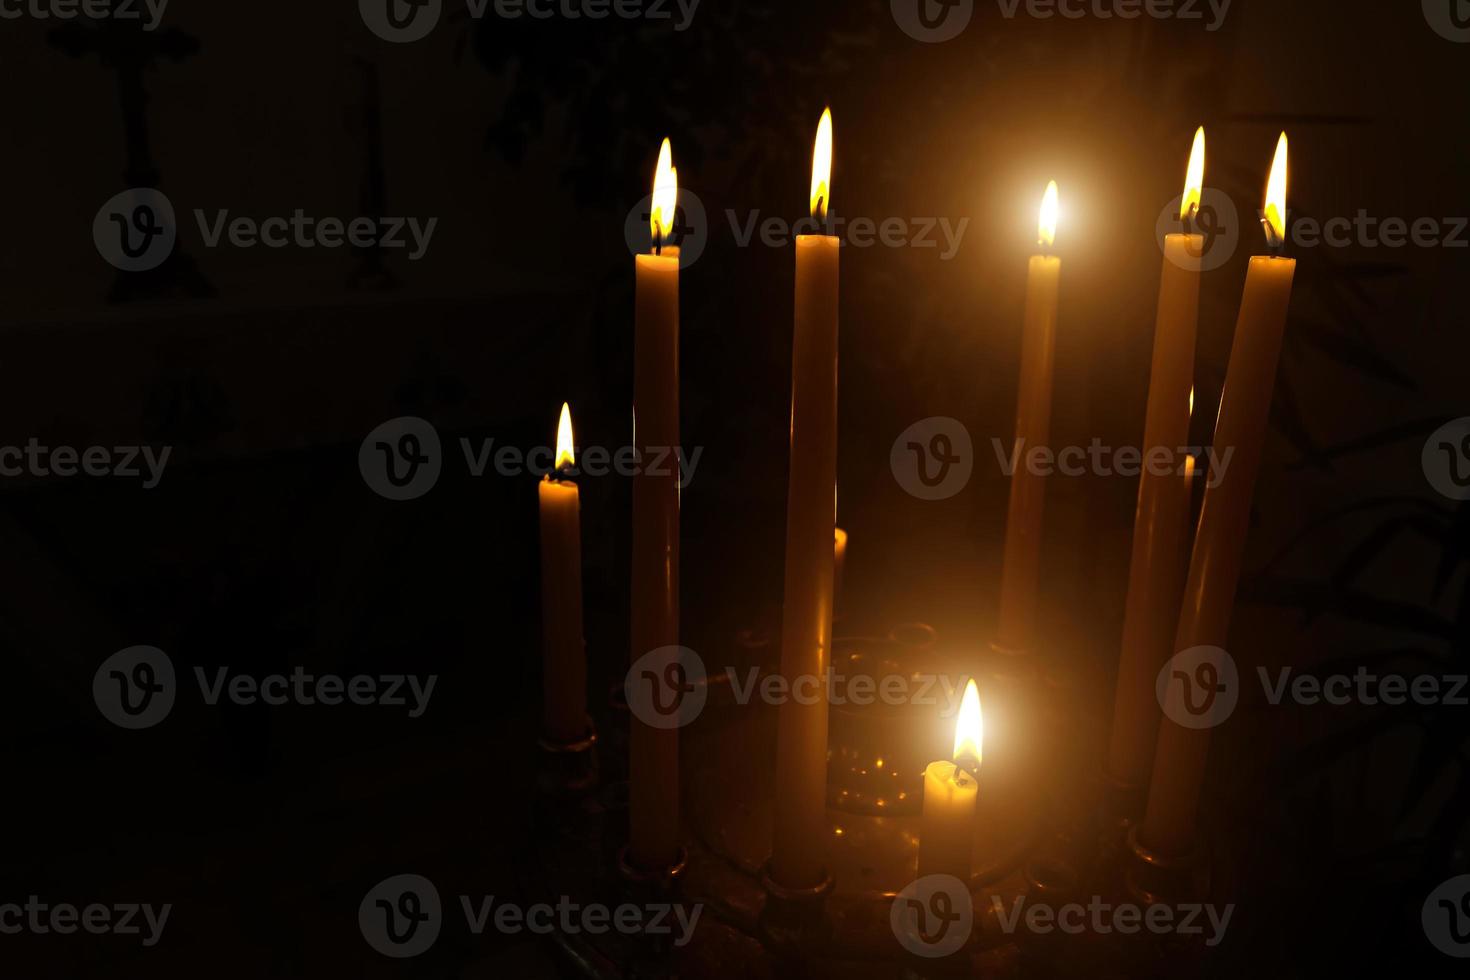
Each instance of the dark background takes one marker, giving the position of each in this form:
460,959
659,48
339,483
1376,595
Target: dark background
263,548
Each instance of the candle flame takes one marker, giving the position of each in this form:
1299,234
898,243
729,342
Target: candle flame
564,438
822,168
1275,220
665,195
1191,401
1194,180
1047,225
969,728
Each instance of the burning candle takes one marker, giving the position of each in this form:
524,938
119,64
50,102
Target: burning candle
564,680
951,790
1160,525
1219,547
806,629
654,764
1020,572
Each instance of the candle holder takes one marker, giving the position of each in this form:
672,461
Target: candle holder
793,922
651,955
568,769
1156,878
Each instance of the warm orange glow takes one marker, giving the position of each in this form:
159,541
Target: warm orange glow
969,728
665,195
1191,401
1047,225
822,168
1194,180
1275,220
564,438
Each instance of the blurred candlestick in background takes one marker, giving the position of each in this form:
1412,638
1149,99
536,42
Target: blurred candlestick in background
1219,547
951,791
1020,572
654,766
839,561
799,843
1161,522
564,667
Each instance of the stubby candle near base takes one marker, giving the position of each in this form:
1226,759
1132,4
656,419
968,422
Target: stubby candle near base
950,797
653,776
1219,547
1161,522
564,667
1021,568
800,840
951,792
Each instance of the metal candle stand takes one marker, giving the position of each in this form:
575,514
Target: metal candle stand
1049,851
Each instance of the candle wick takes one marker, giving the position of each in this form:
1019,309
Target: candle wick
969,763
658,240
1188,220
1275,244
